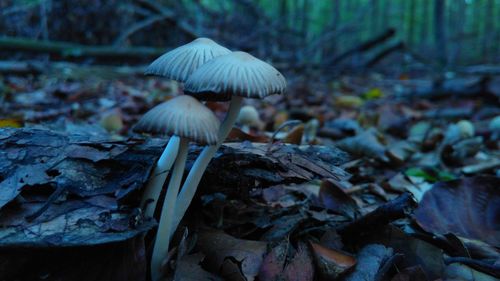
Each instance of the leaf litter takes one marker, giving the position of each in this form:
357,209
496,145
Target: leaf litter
377,191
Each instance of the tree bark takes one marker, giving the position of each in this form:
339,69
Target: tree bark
439,30
411,24
489,25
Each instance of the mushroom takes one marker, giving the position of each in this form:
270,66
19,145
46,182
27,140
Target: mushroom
248,118
229,77
177,64
185,118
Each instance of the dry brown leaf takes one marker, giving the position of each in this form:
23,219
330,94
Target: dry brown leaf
331,263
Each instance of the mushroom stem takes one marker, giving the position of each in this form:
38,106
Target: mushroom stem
193,179
162,240
157,179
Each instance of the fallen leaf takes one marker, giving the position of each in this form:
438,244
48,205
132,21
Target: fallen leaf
348,101
414,273
301,266
274,262
371,259
365,144
188,268
430,174
373,93
238,134
295,135
13,123
234,259
336,199
457,271
331,263
467,207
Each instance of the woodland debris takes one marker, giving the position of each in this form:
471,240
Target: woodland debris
73,50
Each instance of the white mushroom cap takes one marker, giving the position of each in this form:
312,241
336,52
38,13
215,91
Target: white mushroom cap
248,116
494,124
239,74
179,63
183,116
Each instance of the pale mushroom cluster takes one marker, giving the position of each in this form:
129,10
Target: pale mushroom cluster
209,71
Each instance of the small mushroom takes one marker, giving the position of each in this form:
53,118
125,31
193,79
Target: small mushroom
185,118
249,118
177,64
494,127
228,77
466,128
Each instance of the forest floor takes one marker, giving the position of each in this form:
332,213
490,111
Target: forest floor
380,178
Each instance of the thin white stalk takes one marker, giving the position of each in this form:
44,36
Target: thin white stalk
193,179
157,179
162,241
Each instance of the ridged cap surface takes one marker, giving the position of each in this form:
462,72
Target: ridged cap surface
182,116
179,63
239,74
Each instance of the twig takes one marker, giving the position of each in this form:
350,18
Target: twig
171,16
388,212
44,7
18,8
136,27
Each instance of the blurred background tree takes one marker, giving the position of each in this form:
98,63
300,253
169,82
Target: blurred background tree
305,33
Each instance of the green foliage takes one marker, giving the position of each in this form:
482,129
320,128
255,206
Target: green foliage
430,174
471,30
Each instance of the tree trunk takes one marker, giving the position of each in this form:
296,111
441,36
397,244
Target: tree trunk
385,14
375,15
439,30
411,23
426,26
488,27
458,23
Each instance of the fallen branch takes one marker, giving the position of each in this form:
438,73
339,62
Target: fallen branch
66,49
21,67
457,87
363,47
384,53
172,17
136,27
390,211
69,70
481,69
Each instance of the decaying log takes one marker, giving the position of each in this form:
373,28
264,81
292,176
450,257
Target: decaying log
72,50
20,67
441,88
46,174
60,190
68,70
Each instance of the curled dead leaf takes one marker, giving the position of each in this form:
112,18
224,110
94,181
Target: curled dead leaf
234,259
238,134
295,135
331,263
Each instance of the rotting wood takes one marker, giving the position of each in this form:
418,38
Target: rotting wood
79,176
72,50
